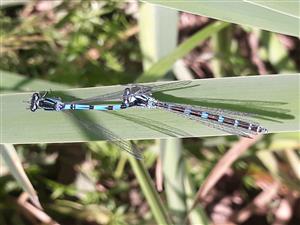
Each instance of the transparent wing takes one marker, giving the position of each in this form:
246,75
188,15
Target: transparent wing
216,125
114,96
220,126
151,88
152,124
110,136
225,127
136,89
169,86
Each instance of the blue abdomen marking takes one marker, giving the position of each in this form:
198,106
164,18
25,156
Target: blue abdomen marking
66,107
204,115
100,107
221,119
84,107
187,111
91,107
116,107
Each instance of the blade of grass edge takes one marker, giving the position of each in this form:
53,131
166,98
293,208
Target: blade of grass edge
10,156
157,70
155,203
158,32
276,18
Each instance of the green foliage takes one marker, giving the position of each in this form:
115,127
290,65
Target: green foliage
66,46
158,69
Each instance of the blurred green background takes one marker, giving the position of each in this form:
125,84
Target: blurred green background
92,43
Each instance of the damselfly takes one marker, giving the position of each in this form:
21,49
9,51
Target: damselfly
41,101
135,90
127,96
229,121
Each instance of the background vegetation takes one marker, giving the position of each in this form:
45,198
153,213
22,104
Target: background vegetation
61,44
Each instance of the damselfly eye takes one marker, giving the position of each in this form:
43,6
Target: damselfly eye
126,92
35,97
34,101
33,108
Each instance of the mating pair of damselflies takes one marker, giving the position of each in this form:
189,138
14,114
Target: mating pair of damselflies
140,96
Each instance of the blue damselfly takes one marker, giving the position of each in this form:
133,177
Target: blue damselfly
41,101
232,122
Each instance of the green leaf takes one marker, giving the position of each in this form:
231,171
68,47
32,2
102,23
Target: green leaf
274,99
161,67
277,16
290,8
158,32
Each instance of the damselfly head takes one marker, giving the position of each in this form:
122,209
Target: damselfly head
126,95
127,92
34,103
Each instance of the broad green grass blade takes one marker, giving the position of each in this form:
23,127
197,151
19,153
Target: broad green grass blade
161,67
158,32
10,82
273,98
289,8
10,157
277,16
